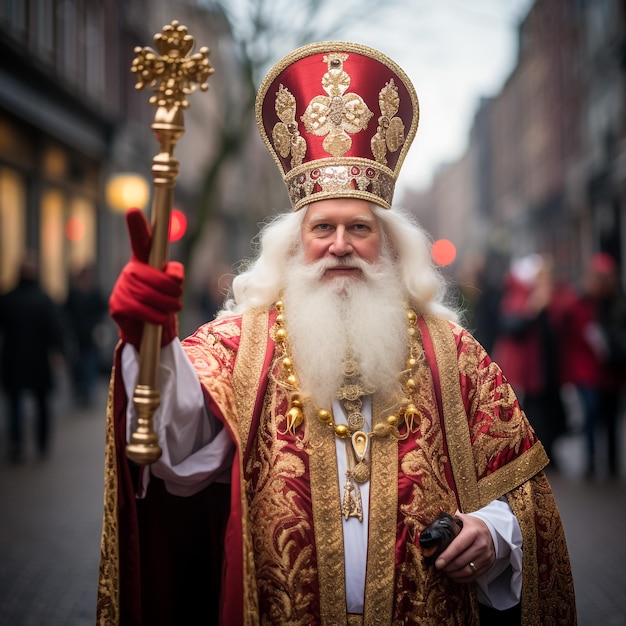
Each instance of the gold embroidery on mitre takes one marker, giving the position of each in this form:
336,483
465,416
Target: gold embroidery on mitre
285,134
390,132
339,113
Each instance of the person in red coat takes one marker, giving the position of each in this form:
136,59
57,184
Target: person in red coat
528,347
595,355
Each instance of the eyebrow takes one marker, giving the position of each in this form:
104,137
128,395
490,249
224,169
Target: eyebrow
314,219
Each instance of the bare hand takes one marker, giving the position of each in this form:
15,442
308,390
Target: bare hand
472,545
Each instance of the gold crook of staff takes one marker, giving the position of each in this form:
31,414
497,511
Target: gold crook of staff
173,75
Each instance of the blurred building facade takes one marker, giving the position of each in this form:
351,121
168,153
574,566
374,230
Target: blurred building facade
545,166
71,119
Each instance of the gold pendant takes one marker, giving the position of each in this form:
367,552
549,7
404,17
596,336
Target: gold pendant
360,444
360,472
352,505
356,421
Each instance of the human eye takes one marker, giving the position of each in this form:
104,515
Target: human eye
322,227
361,227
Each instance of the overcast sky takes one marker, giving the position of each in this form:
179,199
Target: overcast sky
454,51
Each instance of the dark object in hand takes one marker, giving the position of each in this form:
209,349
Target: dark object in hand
437,537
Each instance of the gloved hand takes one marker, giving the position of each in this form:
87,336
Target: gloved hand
144,293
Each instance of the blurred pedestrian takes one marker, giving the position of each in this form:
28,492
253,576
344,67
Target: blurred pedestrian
596,355
85,309
528,345
480,285
30,326
214,294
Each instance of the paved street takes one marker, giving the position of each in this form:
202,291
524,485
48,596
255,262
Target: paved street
50,524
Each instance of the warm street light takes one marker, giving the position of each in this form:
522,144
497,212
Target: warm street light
127,190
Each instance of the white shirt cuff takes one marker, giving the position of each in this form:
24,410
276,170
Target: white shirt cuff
501,587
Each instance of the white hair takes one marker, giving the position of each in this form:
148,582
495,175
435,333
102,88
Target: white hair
263,279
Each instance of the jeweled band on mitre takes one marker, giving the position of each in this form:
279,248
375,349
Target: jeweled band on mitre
316,181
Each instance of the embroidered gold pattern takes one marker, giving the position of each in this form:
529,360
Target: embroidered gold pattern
248,366
390,132
108,607
253,342
547,588
338,114
423,595
383,503
279,527
285,569
327,522
285,134
455,415
513,474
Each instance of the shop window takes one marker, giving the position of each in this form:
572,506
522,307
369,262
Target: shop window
80,231
12,226
52,238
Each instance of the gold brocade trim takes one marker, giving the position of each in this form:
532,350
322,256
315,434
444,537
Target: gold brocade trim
383,507
513,474
108,605
523,507
327,525
454,414
473,494
548,595
248,367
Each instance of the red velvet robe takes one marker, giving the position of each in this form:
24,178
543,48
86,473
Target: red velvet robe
283,544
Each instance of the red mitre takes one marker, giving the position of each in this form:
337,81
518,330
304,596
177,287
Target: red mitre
338,118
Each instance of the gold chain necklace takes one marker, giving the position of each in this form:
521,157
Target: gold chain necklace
351,392
350,395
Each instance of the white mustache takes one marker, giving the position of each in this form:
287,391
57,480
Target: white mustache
319,267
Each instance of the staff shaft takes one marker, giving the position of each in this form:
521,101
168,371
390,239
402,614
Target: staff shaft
174,75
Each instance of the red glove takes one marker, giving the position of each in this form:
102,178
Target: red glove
144,293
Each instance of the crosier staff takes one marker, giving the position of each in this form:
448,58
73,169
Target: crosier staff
173,75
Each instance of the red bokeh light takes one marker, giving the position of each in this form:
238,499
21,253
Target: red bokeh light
178,225
443,251
74,229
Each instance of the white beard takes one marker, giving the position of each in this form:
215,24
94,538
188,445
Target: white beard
326,318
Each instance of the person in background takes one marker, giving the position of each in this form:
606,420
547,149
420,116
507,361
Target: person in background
332,410
211,299
31,338
595,357
85,309
529,344
479,282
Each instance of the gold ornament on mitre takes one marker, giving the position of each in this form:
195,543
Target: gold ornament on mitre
338,118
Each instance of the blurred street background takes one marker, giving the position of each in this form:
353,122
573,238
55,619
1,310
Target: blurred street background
518,173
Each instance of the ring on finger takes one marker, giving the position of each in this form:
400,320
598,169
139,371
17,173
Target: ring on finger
472,566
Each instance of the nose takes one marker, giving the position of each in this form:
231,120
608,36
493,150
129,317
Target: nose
341,245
